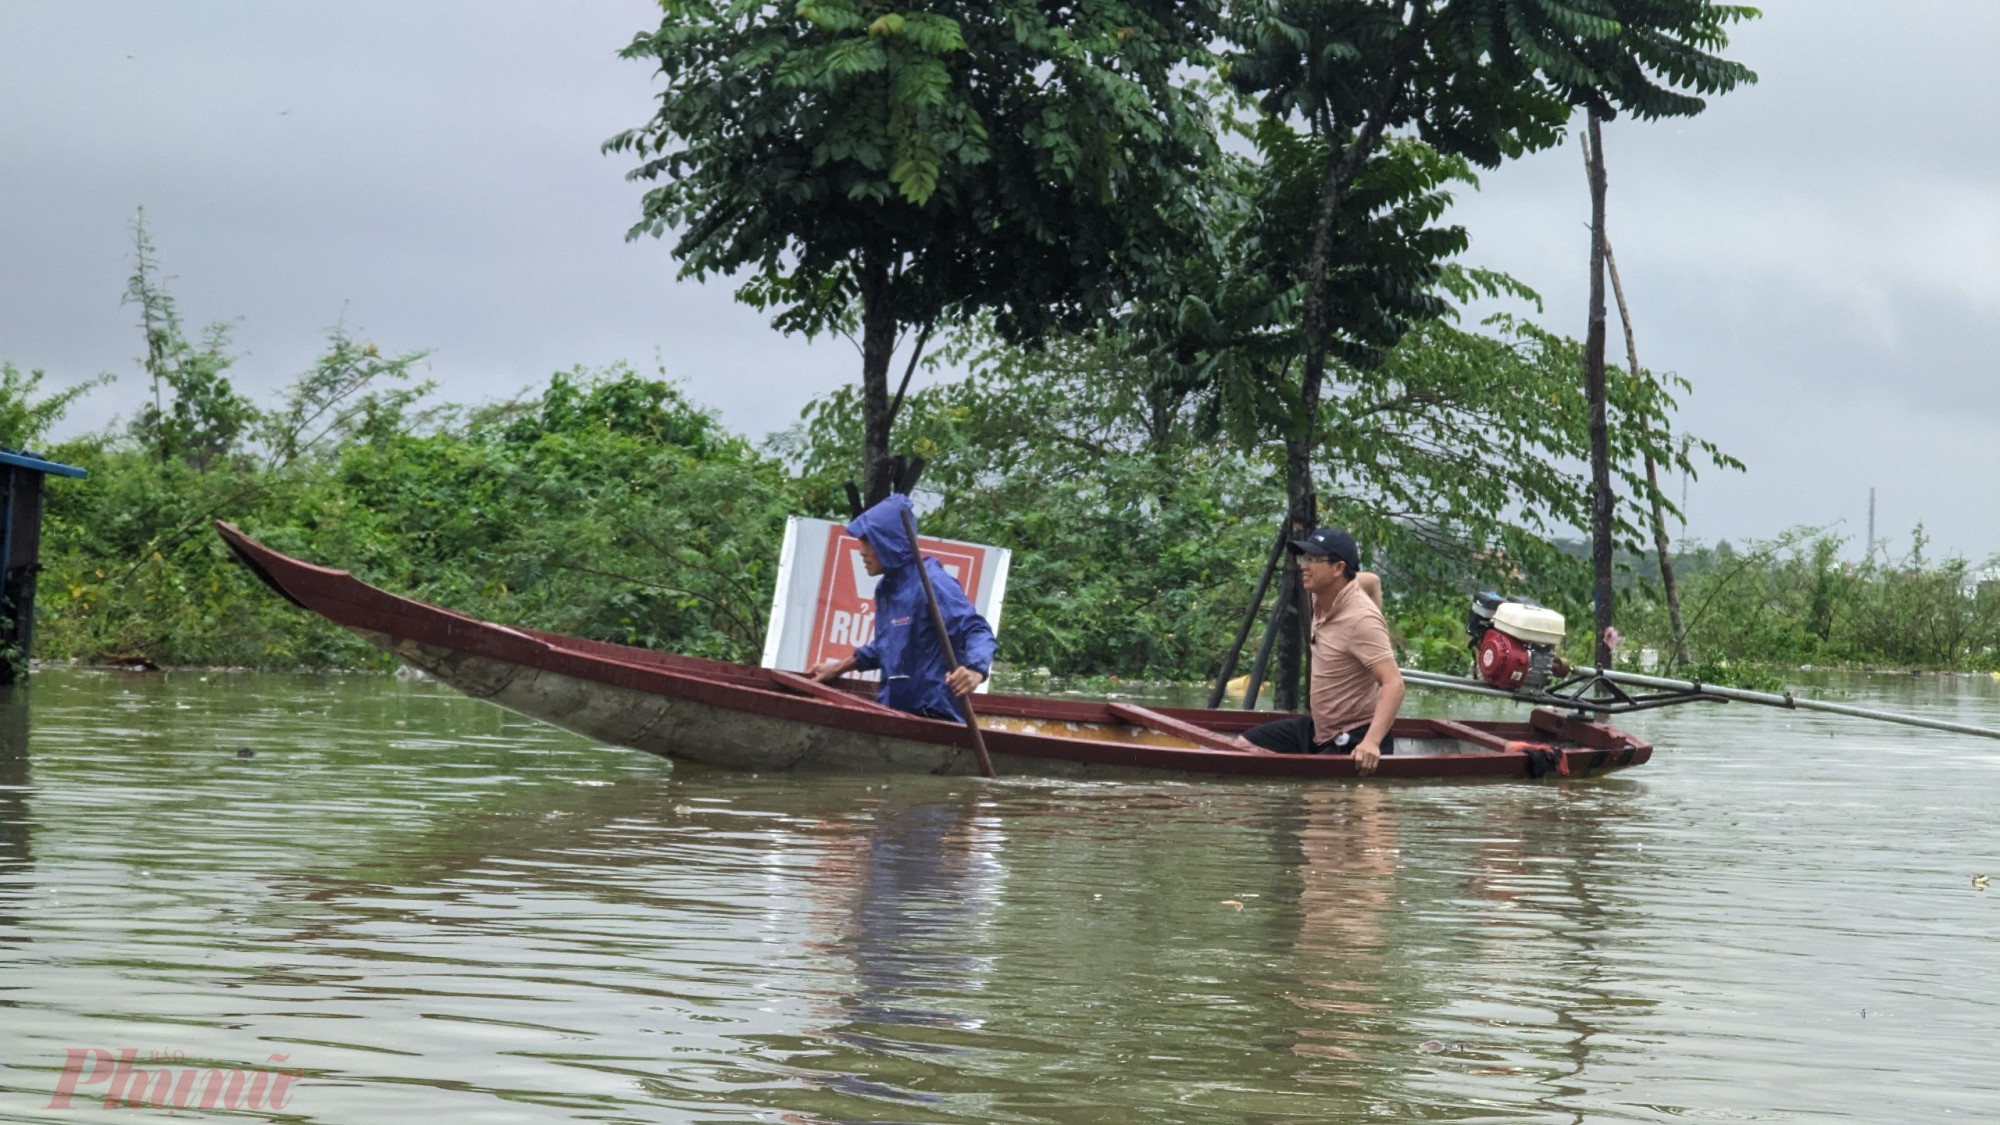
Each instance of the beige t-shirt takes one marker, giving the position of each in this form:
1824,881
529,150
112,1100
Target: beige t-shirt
1348,638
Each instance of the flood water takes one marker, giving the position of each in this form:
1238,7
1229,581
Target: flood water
437,911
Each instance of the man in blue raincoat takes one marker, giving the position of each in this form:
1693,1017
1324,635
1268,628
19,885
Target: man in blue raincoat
905,646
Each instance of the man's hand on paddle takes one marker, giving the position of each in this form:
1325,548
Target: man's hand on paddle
961,681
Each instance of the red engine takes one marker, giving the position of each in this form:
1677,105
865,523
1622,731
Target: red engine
1503,661
1514,642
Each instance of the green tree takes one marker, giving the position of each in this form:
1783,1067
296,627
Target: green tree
25,414
1458,457
352,389
1484,80
1129,529
881,167
196,415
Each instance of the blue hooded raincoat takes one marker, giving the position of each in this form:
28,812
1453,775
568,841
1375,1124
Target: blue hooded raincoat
905,646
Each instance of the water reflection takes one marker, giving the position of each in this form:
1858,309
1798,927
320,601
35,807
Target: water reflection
1347,880
927,879
1593,830
1552,872
902,895
16,823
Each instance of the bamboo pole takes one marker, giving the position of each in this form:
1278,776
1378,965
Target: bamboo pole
944,642
1661,544
1797,703
1249,618
1258,666
1787,701
1600,440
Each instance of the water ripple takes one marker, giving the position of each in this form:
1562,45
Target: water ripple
431,907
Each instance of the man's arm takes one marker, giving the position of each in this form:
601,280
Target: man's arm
831,669
1370,585
864,659
1369,754
971,637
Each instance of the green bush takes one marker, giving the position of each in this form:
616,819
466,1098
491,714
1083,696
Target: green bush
1793,601
608,507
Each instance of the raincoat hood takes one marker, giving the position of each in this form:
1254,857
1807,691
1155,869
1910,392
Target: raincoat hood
881,527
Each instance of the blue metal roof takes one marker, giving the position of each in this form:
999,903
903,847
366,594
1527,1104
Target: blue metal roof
30,461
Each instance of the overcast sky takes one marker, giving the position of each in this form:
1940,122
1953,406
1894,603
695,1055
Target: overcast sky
1819,253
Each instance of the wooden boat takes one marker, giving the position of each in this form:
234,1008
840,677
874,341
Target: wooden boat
738,717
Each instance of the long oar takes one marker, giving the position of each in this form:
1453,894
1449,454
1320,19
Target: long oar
950,653
1788,701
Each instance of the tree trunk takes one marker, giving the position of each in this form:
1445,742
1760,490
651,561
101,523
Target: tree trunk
1301,502
1301,511
1302,508
1600,437
878,346
1661,546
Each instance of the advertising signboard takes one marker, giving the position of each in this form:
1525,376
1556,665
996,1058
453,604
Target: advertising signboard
824,604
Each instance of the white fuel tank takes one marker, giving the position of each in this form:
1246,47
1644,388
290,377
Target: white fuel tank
1531,624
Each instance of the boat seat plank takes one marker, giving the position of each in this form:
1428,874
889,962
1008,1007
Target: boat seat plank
1165,724
1485,740
810,686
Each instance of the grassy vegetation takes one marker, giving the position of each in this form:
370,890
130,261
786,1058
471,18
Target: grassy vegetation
1793,601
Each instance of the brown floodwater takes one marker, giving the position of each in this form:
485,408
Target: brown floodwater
434,910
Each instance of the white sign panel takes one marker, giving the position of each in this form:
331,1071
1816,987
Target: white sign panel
824,606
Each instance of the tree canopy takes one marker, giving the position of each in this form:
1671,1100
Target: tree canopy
1475,80
875,167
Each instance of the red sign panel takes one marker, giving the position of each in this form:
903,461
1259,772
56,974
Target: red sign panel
846,617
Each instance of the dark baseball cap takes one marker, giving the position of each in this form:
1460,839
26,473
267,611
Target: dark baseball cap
1333,543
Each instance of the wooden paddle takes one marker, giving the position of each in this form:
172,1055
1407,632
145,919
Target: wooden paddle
950,653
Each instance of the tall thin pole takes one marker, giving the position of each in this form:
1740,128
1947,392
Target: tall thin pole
1249,617
1294,637
944,642
1600,435
1660,543
1271,628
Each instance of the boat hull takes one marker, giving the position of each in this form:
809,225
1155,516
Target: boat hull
673,728
737,717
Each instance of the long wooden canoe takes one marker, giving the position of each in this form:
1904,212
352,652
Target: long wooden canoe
738,717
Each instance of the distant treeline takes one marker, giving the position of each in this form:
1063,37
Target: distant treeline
1793,600
607,504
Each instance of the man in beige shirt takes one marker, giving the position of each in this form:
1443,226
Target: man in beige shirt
1356,688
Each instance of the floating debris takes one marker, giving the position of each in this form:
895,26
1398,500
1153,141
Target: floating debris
1979,882
246,752
1232,903
1431,1046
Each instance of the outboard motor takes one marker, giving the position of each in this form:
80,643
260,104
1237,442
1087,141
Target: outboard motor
1513,641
